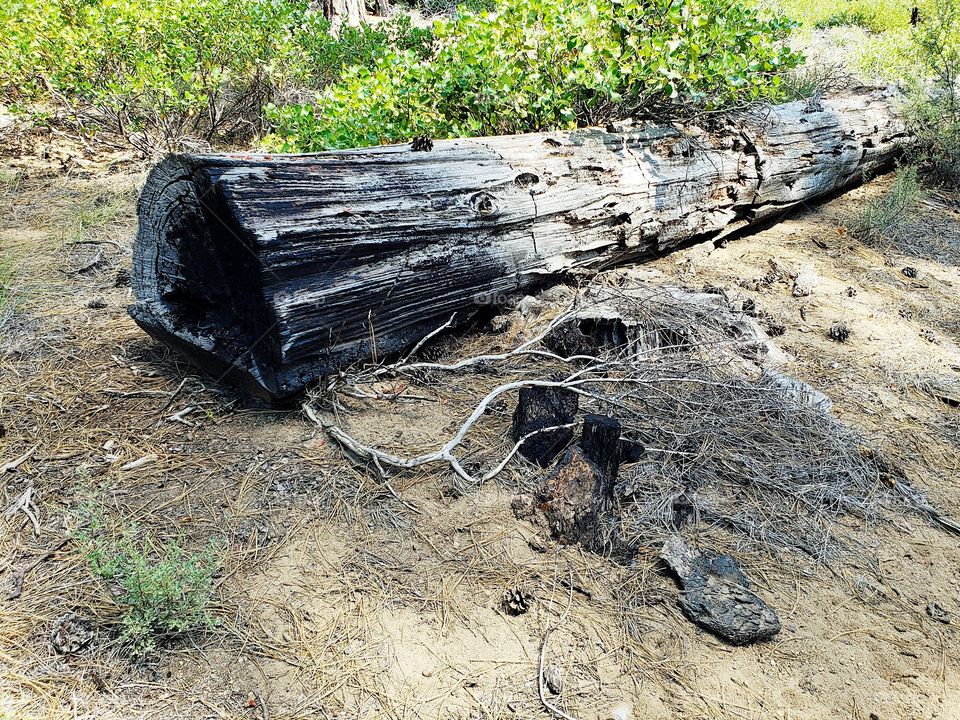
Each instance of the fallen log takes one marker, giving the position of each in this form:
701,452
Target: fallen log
273,270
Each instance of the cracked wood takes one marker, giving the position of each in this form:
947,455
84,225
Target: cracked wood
271,271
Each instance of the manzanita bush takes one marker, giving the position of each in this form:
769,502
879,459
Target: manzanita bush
179,67
546,64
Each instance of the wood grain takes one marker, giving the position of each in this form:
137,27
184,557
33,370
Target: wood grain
273,270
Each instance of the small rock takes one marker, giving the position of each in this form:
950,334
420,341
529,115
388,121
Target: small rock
851,291
806,283
97,304
71,633
553,679
523,506
530,307
620,711
938,613
910,272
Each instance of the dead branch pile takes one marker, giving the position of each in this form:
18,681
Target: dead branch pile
729,442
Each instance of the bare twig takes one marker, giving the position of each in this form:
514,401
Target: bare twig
543,650
17,462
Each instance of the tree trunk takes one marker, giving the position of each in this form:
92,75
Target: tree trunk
273,270
351,12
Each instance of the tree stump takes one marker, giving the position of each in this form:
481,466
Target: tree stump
539,408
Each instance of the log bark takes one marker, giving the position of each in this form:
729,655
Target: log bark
274,270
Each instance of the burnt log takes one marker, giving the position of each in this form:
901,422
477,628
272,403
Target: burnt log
541,408
274,270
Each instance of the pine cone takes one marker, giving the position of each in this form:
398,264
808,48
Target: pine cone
421,143
71,633
516,601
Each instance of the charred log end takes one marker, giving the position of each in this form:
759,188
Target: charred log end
716,595
601,443
189,271
539,408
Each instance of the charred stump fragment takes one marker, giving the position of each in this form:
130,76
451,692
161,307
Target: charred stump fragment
716,595
576,498
601,443
272,271
538,409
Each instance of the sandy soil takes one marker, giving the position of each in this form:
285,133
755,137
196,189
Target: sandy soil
337,600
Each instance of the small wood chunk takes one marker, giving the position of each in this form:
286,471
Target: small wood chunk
539,408
717,596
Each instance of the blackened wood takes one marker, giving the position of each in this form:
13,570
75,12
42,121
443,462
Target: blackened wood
274,270
631,451
539,408
574,500
716,595
601,443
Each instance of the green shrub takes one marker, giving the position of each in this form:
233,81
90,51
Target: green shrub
543,64
875,15
162,591
449,7
321,57
934,110
168,66
165,69
859,17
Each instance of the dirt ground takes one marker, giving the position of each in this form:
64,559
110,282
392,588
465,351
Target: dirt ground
337,600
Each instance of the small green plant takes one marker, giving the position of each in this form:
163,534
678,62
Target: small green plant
934,110
848,16
162,590
882,216
548,64
812,79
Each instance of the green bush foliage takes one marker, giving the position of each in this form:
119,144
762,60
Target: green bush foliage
172,65
171,68
163,591
934,110
320,58
539,64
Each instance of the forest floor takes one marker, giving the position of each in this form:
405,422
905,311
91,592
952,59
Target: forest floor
335,599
